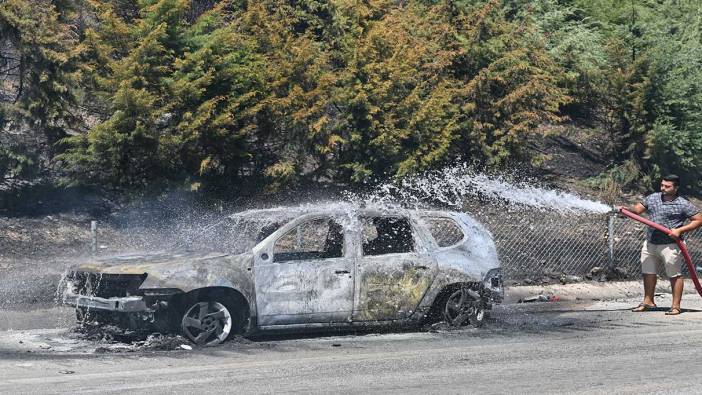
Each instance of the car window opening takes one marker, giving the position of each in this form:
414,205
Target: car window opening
387,235
266,231
321,238
444,230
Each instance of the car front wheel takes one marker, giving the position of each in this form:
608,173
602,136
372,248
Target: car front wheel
208,322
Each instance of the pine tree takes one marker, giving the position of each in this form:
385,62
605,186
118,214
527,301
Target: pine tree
124,149
40,73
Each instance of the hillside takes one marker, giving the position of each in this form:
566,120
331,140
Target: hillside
239,98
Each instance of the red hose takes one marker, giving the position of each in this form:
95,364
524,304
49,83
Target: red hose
683,249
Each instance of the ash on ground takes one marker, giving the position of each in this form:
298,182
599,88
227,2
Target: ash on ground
110,339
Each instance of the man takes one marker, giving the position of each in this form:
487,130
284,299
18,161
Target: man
670,210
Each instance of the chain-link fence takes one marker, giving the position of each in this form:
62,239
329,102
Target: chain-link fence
550,244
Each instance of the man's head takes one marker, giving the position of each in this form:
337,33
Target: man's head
670,185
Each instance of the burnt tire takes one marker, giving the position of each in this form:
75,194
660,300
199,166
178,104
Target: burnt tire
460,308
210,320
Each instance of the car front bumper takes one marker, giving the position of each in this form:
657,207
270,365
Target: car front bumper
127,304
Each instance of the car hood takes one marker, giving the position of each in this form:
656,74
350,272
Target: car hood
148,262
182,270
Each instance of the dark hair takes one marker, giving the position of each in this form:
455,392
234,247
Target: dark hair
672,178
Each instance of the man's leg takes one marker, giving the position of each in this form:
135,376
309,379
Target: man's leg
673,260
649,268
649,281
676,284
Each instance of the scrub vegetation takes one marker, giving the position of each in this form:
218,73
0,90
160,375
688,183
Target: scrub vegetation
135,95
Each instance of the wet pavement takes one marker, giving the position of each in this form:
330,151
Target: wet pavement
570,346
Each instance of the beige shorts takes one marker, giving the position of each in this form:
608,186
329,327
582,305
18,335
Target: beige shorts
668,255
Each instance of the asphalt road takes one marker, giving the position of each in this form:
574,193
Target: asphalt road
593,347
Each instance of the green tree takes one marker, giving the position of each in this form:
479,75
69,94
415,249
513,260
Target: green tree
280,91
674,144
517,85
39,69
124,149
39,77
215,95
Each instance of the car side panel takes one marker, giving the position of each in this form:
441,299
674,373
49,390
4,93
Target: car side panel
302,291
466,262
391,286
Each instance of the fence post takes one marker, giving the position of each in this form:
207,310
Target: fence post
93,236
610,240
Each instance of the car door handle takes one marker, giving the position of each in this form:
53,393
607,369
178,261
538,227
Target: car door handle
342,272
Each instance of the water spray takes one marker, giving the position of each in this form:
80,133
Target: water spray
453,186
681,245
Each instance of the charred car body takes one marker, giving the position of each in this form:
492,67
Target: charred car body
300,268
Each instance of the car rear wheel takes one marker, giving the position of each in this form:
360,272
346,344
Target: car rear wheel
208,322
461,307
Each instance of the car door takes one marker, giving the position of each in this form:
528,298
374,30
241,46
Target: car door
393,271
304,273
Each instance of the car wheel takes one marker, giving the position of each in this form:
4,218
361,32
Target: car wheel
208,322
461,307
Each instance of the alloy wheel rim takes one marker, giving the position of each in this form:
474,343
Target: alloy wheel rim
207,323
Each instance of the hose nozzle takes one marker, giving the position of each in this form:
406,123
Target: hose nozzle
617,209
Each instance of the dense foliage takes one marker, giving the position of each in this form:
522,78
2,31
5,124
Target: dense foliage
219,94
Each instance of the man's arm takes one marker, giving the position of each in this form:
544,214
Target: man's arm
638,208
695,222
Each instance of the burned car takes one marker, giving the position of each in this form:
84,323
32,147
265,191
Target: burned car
292,269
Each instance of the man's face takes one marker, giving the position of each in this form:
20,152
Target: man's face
668,188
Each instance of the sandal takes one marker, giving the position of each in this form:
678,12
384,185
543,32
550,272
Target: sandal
643,307
673,311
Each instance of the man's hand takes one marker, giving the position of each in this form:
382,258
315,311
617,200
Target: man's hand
675,233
